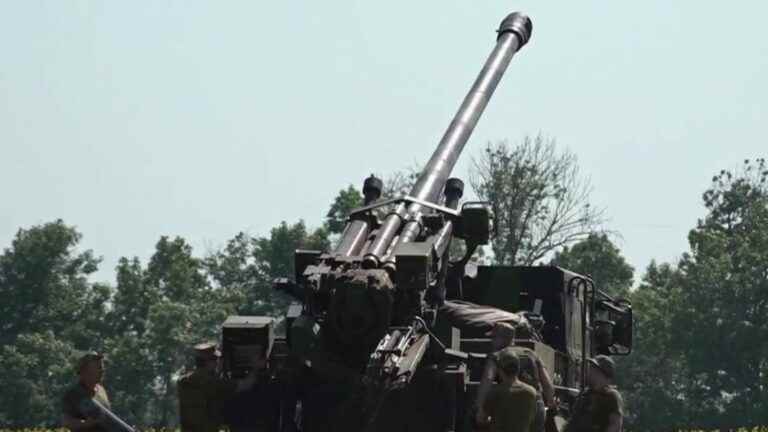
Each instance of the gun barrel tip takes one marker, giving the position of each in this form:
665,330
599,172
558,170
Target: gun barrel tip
519,24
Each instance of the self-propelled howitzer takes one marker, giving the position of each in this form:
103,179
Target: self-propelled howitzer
373,299
371,320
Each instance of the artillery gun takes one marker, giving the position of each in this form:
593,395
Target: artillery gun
369,345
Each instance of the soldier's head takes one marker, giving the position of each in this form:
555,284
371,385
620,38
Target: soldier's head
502,334
601,372
508,364
90,368
207,356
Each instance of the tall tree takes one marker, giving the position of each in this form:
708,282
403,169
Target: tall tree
725,292
538,196
133,298
183,314
43,282
49,310
598,257
655,377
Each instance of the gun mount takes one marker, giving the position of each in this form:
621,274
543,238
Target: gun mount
370,317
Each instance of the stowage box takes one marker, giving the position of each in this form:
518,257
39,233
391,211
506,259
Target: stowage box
242,337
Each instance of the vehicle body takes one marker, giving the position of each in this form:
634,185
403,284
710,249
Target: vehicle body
368,345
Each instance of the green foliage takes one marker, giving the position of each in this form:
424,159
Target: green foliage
43,283
49,309
654,376
347,200
599,258
34,370
245,268
145,324
167,307
725,290
702,338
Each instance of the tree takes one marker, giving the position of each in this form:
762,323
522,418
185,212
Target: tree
539,199
43,282
655,376
401,182
132,300
37,367
130,376
347,200
599,258
187,311
725,293
49,311
246,267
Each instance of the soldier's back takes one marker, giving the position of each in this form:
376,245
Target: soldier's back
529,373
198,409
511,407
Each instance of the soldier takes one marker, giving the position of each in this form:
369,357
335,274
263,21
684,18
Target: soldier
509,406
600,407
532,372
203,392
78,412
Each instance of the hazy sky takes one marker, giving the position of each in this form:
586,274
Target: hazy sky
133,120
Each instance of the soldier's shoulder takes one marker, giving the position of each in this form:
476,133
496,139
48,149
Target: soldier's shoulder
527,388
523,350
612,391
613,395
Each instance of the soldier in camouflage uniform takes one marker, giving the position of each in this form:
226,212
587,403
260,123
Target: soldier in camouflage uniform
531,372
509,405
600,407
79,414
203,392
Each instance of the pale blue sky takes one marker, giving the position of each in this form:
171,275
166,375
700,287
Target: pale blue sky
133,120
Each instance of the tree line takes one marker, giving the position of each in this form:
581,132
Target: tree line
700,337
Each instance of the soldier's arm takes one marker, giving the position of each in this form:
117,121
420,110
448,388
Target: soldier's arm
614,423
69,417
547,388
616,418
75,424
486,380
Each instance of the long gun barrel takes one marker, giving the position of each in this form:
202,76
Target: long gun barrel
110,421
513,33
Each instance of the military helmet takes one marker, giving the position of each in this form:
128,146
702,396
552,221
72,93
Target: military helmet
605,365
87,358
206,350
